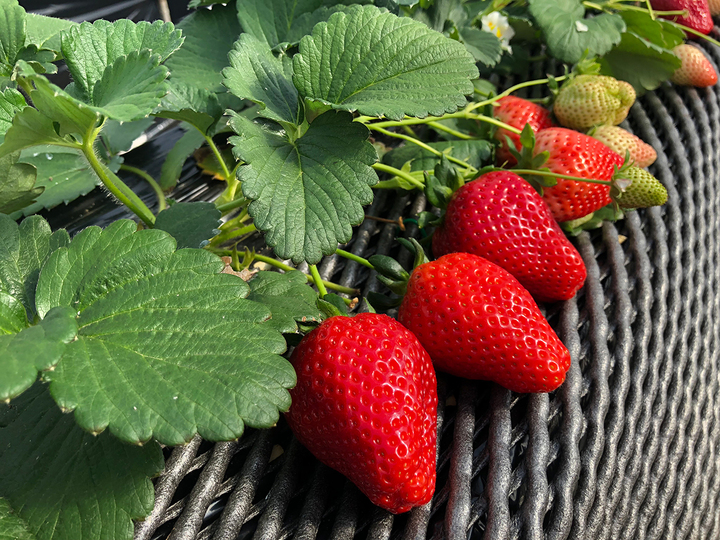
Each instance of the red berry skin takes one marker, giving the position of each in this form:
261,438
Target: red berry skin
576,154
365,404
500,217
517,112
698,17
478,322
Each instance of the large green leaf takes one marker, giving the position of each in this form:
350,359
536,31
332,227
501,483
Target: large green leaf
569,34
64,175
17,184
13,318
44,32
12,34
67,484
289,298
11,102
12,527
119,136
30,128
130,88
255,74
640,62
209,36
276,22
306,194
71,115
382,65
660,32
176,158
196,106
190,224
167,345
24,249
34,349
90,48
485,47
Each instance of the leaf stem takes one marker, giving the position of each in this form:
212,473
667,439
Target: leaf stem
698,34
116,186
228,235
556,175
232,205
355,258
397,172
218,156
451,131
162,203
318,280
510,90
423,146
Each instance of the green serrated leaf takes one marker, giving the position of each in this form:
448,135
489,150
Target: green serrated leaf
17,184
176,158
660,32
34,349
173,346
44,32
210,35
382,65
306,194
485,47
24,249
640,62
130,88
191,224
473,152
13,317
11,102
89,49
568,34
289,298
277,22
190,104
12,527
71,115
63,173
30,127
255,74
67,484
12,34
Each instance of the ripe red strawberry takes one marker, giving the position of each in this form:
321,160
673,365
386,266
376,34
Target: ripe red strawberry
698,17
478,322
695,70
593,100
622,141
500,217
365,404
576,154
517,112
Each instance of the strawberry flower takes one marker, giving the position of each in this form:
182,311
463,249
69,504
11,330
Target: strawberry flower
497,23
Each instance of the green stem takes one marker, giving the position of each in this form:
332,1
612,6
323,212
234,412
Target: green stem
355,258
162,203
556,175
25,85
623,7
495,122
218,156
451,131
232,205
287,268
116,186
318,280
226,236
510,90
698,34
397,172
423,146
237,221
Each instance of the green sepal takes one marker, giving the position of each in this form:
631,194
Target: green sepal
428,219
331,305
381,301
414,247
594,220
399,287
370,307
436,193
389,267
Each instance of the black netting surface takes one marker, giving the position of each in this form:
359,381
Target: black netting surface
627,448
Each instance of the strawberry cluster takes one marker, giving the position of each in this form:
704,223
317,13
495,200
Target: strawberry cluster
366,397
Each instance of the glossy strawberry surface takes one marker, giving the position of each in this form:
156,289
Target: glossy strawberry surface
478,322
576,154
517,112
621,141
698,13
695,70
365,404
500,217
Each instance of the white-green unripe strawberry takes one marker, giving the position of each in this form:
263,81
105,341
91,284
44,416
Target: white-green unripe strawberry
593,100
644,189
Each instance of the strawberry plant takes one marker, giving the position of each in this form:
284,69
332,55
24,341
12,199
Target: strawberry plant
156,329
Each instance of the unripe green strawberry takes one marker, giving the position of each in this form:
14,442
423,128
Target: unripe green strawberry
622,141
645,190
593,100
